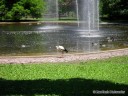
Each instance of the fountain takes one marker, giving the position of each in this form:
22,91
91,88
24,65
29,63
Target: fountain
88,20
52,10
82,37
88,14
51,14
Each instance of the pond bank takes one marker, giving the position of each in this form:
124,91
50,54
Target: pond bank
66,57
61,22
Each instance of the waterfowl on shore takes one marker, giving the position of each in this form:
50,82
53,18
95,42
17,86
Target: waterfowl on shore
102,45
61,49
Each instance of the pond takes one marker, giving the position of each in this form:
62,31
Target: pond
40,39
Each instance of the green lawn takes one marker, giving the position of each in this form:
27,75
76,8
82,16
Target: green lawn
64,79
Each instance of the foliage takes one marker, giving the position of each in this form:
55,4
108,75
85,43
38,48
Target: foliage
67,8
18,9
35,7
3,9
16,14
111,9
114,9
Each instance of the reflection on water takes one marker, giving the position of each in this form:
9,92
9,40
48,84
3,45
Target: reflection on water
23,39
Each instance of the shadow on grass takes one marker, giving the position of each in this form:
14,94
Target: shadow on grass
62,87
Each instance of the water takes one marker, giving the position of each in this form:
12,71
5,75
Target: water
16,39
82,36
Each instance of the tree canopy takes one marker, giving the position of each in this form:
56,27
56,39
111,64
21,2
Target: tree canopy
18,9
24,9
114,9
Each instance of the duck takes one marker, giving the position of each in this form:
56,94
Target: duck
94,44
110,39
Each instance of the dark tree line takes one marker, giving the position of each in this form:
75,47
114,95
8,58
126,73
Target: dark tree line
24,9
114,9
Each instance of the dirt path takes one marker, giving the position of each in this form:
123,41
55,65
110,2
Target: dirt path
66,58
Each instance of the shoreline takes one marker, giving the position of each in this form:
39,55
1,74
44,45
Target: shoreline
66,58
60,22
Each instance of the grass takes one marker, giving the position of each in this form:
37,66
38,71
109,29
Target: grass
64,79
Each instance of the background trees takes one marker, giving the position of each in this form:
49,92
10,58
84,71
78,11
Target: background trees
26,9
114,9
3,9
67,9
19,9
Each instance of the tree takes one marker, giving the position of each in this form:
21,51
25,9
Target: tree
36,7
67,6
3,9
18,9
114,9
9,3
17,12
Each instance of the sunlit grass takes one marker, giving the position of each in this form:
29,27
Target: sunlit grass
113,69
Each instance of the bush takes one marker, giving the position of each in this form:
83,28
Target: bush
19,9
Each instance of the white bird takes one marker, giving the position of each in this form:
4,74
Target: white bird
61,49
23,46
102,45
